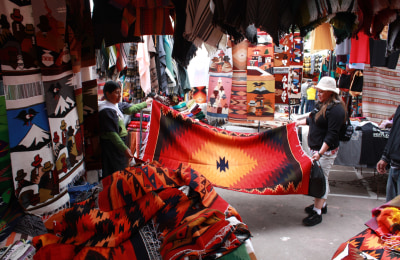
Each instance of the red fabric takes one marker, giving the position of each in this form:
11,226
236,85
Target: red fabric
270,163
359,52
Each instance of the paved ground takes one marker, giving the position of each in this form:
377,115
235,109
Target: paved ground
276,221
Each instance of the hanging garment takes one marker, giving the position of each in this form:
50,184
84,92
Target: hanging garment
378,56
322,38
360,48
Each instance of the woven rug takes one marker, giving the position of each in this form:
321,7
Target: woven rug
238,105
381,92
271,162
43,101
220,85
189,216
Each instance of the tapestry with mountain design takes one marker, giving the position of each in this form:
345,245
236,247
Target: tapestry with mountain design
268,163
42,85
190,218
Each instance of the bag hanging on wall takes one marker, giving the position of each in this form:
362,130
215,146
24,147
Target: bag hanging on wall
356,85
317,184
344,82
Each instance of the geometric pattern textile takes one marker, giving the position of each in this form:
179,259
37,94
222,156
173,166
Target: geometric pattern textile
192,223
268,163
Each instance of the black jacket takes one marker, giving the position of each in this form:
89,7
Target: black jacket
325,129
391,153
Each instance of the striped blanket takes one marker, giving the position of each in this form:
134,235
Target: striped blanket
381,92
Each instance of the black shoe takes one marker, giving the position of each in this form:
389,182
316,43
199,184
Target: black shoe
310,209
312,219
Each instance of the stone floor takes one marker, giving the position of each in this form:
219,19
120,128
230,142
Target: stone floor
276,221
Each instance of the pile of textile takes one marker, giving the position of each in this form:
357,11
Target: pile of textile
147,212
381,240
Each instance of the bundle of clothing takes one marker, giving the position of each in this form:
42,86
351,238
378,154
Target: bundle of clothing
147,212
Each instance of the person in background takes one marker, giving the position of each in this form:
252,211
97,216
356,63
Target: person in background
311,93
303,99
391,155
115,153
324,123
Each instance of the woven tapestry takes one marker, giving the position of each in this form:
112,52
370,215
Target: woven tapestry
190,222
270,163
260,96
381,92
44,99
220,84
238,107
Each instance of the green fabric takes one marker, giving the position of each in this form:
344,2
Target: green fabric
239,254
116,140
135,108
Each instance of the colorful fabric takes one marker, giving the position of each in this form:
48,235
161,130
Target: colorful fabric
381,92
220,84
43,102
260,97
238,106
200,94
281,75
129,200
271,162
380,240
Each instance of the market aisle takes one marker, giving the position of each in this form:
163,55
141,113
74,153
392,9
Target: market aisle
276,221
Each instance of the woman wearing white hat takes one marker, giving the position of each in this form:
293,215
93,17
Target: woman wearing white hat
324,123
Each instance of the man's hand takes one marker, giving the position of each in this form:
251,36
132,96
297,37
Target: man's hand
128,153
381,166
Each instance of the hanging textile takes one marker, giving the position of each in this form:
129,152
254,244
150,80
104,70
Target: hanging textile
10,210
220,84
270,163
381,92
322,38
238,106
44,102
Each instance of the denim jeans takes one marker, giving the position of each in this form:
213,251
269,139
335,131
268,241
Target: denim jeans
303,105
310,105
393,184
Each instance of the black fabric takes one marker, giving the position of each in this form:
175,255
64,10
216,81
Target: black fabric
373,143
183,50
112,158
393,40
107,25
378,58
344,81
317,184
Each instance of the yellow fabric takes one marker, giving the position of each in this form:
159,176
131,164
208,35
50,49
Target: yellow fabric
311,93
322,38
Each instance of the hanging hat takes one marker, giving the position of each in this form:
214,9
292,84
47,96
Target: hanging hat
47,166
328,84
16,15
63,125
37,161
44,24
20,175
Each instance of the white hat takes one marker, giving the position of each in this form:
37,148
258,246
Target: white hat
327,84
